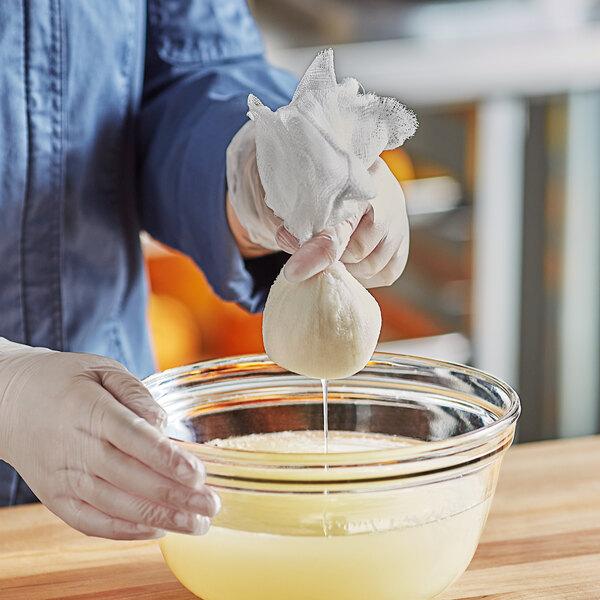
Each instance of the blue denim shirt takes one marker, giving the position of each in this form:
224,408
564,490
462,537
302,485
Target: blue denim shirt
114,117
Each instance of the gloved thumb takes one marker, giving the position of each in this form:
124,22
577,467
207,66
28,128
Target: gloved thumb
321,251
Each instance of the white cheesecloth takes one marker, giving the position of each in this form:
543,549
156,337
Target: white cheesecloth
313,155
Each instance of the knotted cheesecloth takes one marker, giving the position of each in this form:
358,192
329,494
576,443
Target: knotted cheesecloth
313,155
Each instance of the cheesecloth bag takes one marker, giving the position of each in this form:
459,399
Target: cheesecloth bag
313,155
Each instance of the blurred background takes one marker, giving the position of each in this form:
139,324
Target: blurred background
502,183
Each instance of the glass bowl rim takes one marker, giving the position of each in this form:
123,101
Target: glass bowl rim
407,454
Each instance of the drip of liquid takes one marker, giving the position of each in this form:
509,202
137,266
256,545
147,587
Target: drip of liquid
325,417
325,440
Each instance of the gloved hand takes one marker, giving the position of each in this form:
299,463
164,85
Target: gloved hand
253,223
373,243
86,436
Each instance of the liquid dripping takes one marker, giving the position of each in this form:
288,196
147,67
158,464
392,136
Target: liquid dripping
325,444
325,416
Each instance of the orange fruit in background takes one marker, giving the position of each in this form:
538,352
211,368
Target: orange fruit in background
177,338
188,322
399,164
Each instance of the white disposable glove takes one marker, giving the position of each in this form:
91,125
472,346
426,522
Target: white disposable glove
373,243
86,436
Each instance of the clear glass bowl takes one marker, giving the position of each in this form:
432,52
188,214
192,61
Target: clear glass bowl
399,523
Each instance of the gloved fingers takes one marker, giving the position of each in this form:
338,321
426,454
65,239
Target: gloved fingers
377,260
134,395
365,238
247,247
390,272
250,219
286,241
312,257
257,208
129,474
91,521
137,438
321,251
119,504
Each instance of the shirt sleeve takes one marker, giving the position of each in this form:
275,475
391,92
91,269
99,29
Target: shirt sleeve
203,58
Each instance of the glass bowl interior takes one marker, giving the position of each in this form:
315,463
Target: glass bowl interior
455,409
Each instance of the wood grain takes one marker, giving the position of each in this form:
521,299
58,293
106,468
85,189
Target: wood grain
541,542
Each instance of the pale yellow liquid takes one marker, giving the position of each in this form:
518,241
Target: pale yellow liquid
388,545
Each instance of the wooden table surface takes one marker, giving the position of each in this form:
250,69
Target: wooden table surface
541,542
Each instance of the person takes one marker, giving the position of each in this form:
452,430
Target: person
115,117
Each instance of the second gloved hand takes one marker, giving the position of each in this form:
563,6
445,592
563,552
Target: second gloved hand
86,436
373,243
